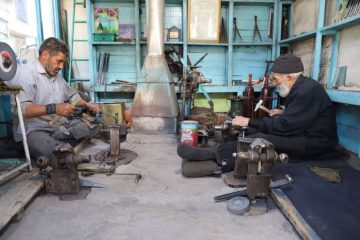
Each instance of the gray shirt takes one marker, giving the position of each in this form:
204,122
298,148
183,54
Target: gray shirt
40,88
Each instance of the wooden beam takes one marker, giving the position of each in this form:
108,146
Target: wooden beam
299,223
16,193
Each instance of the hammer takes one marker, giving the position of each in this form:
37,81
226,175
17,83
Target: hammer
74,100
259,105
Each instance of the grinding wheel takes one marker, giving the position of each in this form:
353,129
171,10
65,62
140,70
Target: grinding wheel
238,205
8,63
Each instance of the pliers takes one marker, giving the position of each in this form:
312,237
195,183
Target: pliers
256,29
236,30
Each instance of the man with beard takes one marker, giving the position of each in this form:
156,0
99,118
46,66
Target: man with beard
306,127
46,95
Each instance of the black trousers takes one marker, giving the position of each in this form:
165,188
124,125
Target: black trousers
295,146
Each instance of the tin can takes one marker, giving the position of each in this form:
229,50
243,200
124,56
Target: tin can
189,132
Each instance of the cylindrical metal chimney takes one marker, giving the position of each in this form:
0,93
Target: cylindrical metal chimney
155,108
156,26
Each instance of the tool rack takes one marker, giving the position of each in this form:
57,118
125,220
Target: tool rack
226,61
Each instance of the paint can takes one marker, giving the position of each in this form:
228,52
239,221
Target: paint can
189,132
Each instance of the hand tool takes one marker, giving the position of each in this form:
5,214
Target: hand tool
223,32
74,100
273,184
256,29
259,105
108,172
98,68
236,30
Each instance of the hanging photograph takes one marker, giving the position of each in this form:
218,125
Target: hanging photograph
203,20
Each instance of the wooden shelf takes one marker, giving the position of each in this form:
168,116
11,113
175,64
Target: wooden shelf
346,97
254,2
208,88
208,44
166,43
115,88
112,1
298,38
253,44
113,43
341,24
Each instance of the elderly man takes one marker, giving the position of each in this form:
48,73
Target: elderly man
306,127
45,95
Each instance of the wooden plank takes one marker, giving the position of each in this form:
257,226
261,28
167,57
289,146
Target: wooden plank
15,194
299,223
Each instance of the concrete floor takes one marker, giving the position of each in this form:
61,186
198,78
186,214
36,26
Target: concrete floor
163,205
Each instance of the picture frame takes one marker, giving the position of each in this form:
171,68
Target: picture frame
204,20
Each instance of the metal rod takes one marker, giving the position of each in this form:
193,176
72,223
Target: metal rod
23,132
5,176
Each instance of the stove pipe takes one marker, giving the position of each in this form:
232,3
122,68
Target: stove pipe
155,108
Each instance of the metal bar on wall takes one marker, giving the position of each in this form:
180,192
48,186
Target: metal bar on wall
230,42
56,17
318,39
39,27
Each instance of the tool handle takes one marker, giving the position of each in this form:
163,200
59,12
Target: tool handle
265,109
57,117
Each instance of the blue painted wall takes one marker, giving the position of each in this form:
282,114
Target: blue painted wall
348,128
122,63
245,21
248,60
5,116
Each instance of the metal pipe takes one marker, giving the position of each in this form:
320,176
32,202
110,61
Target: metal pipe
40,32
155,30
23,132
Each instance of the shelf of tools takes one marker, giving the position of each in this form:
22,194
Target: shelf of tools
247,41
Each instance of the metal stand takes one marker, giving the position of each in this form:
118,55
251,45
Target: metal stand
7,175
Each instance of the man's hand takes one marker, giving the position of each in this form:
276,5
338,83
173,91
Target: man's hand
93,107
240,121
275,112
64,109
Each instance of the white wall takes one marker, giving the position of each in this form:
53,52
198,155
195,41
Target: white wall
305,16
18,26
349,54
306,20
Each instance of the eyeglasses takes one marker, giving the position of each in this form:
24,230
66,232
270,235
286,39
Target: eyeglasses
275,80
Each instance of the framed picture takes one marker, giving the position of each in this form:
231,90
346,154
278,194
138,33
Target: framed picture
126,32
204,20
106,20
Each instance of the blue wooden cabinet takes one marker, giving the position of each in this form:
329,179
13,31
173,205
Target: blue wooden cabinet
232,60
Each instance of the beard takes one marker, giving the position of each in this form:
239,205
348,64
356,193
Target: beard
50,70
283,90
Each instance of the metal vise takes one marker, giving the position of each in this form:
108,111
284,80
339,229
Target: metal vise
63,176
254,160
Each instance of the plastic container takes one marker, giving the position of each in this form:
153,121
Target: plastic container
189,132
104,37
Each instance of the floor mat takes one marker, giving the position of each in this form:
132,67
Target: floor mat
331,209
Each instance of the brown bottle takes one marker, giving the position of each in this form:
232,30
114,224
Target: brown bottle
266,96
249,99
